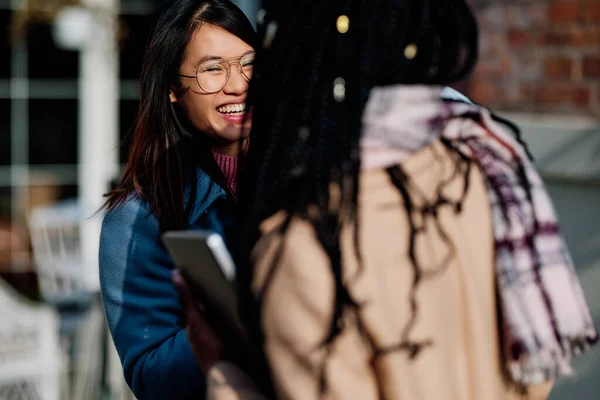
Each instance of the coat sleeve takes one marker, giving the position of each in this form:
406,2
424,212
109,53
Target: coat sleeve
142,307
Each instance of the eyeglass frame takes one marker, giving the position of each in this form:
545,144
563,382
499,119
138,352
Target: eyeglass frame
220,61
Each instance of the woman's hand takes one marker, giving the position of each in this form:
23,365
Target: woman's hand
225,381
207,348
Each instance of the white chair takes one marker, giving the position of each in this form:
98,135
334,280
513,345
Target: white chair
64,283
31,362
54,234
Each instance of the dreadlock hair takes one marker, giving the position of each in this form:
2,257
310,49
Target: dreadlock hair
309,91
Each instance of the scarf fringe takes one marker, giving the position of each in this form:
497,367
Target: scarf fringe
550,363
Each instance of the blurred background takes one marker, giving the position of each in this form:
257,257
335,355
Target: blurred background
69,95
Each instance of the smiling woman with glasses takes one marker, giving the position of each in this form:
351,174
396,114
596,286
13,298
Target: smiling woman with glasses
191,133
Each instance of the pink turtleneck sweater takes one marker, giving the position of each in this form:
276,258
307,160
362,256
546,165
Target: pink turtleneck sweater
230,166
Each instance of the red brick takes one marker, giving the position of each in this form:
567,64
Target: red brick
581,96
558,67
591,67
548,96
552,96
493,67
486,93
517,38
553,38
539,55
587,36
562,11
590,11
577,36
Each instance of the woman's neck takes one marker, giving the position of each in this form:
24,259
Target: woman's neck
231,148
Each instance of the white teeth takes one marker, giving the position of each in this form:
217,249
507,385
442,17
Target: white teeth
235,108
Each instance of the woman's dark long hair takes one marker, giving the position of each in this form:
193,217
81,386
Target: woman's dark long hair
310,88
162,148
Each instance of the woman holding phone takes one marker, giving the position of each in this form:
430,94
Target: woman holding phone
188,143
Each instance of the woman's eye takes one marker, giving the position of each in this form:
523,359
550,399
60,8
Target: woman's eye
213,69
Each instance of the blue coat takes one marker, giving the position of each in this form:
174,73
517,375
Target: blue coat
142,307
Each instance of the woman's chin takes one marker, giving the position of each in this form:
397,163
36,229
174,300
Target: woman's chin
234,133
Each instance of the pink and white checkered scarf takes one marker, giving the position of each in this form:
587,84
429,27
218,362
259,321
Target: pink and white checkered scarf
544,313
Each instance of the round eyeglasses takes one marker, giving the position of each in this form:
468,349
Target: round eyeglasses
213,75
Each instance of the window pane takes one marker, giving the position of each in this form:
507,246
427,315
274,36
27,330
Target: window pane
5,203
5,228
128,112
136,32
45,59
53,131
4,132
5,55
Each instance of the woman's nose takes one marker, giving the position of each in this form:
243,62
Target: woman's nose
237,83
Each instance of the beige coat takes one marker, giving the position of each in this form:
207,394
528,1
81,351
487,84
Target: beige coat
457,308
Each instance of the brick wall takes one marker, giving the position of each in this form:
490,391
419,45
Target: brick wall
538,56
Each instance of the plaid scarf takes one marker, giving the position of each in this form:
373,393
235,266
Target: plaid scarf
544,314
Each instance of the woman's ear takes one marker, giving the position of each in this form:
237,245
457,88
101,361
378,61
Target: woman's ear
172,96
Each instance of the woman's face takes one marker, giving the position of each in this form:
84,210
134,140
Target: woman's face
216,114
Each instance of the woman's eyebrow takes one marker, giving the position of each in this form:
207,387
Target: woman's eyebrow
208,58
217,58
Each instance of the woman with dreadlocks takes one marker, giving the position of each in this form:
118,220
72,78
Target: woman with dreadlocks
397,246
